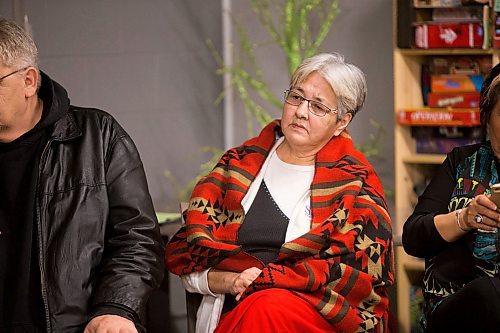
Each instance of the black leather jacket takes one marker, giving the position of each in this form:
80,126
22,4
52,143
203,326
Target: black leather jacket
98,236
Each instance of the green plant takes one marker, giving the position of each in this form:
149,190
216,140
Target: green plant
298,27
184,191
371,147
290,25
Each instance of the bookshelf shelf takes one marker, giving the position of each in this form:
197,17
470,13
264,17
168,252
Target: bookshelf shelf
414,264
423,159
445,51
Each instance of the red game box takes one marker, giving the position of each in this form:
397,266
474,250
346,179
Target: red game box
440,35
454,83
454,100
438,117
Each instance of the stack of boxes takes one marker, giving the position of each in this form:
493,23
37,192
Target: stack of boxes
456,81
450,84
450,91
449,24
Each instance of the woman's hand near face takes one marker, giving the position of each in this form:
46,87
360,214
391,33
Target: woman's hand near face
222,282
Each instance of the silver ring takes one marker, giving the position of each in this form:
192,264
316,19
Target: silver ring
478,218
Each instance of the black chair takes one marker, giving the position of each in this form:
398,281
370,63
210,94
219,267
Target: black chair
157,317
193,300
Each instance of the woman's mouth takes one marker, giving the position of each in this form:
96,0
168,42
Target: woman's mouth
297,126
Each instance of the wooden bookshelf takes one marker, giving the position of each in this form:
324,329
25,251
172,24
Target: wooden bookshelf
412,168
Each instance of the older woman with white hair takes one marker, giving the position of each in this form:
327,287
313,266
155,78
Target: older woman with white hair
290,231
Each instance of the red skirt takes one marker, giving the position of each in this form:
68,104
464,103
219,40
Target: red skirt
274,310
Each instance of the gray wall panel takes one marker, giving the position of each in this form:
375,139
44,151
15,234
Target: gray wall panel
145,62
362,32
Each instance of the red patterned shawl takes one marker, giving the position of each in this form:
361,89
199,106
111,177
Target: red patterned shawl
342,266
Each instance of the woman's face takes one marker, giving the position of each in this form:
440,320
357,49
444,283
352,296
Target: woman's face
494,129
302,129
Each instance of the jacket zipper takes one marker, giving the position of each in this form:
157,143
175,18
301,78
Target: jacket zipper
41,257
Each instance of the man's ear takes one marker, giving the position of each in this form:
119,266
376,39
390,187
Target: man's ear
31,79
343,122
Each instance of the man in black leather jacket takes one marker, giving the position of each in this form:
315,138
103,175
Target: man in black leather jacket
80,248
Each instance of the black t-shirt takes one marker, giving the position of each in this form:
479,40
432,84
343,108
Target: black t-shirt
20,296
21,306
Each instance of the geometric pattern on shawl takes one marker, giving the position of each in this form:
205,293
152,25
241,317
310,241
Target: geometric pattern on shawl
343,266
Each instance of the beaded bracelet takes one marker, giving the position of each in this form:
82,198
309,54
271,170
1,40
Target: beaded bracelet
457,214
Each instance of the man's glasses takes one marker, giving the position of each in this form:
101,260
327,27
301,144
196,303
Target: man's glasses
319,109
14,72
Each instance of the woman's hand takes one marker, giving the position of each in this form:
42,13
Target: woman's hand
481,213
222,282
243,280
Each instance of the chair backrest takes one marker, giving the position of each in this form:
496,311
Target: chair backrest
183,206
193,300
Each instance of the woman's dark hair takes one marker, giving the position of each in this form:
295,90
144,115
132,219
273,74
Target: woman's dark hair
489,96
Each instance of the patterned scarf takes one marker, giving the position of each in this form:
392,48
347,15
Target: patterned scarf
342,266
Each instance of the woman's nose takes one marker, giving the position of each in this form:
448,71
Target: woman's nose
302,110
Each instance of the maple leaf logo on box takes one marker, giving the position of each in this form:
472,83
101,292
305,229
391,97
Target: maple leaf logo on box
448,35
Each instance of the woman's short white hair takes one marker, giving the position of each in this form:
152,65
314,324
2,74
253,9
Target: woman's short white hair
347,81
17,48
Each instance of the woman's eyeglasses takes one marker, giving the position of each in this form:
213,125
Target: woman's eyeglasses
319,109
